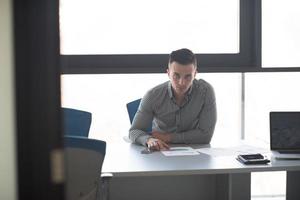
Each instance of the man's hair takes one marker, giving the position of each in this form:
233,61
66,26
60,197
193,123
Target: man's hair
183,56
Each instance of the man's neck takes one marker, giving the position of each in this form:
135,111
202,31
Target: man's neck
179,99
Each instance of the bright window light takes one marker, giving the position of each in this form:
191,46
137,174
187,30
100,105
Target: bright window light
268,185
280,33
265,92
148,27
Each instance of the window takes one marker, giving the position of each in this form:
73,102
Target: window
149,27
265,92
280,33
268,185
137,36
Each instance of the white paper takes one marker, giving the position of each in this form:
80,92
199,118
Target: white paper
180,151
217,151
231,151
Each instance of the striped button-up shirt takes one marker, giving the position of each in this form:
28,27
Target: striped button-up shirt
191,122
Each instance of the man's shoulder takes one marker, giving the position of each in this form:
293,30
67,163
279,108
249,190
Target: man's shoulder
201,84
157,94
159,88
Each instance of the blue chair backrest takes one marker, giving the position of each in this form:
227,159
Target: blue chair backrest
85,143
132,108
76,122
84,159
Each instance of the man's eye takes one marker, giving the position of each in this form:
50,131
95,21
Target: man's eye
176,76
188,77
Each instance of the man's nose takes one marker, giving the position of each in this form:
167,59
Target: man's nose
181,81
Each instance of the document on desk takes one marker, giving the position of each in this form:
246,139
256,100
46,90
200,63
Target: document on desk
217,151
180,151
231,151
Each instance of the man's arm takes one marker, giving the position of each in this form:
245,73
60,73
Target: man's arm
206,125
141,122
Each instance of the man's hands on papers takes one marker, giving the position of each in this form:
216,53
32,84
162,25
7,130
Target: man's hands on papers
173,151
180,151
156,144
165,137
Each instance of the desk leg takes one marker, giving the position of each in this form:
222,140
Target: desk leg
292,185
233,186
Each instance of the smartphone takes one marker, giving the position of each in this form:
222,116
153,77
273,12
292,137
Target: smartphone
252,159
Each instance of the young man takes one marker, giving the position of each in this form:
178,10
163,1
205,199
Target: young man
183,110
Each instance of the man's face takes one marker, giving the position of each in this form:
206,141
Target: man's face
181,77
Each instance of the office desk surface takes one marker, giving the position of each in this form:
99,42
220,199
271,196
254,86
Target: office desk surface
124,159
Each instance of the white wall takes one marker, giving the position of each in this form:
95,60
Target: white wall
7,128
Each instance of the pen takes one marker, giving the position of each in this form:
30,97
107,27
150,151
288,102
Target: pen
148,148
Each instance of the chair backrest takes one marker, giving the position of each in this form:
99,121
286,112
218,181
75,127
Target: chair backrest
132,108
76,122
84,159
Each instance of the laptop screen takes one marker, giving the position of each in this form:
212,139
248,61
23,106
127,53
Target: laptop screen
285,130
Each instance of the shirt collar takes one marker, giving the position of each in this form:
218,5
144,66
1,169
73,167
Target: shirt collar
170,91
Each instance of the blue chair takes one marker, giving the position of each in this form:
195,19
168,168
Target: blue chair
84,159
132,108
76,122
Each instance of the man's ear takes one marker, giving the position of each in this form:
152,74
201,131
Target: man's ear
196,72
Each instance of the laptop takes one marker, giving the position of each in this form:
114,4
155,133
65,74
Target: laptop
285,135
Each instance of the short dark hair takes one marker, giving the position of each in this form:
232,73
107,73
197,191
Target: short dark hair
183,56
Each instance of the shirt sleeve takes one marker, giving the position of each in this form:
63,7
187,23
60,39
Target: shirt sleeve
206,123
142,121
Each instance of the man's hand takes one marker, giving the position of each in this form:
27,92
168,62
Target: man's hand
157,144
165,137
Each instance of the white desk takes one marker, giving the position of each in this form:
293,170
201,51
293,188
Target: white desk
226,177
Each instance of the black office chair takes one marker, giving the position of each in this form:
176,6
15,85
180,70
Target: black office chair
132,108
76,122
84,159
